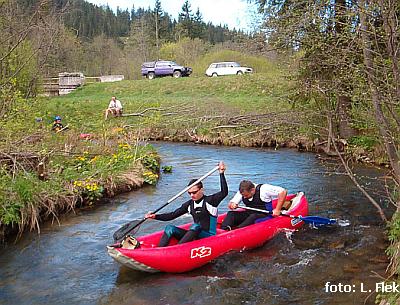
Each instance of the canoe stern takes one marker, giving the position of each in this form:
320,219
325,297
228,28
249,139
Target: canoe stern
129,261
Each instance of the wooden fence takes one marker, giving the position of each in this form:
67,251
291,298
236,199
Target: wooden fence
67,82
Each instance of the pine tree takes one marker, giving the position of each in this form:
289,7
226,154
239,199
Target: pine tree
186,20
198,25
157,16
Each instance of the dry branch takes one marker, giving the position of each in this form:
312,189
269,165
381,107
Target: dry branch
358,185
226,126
19,161
142,113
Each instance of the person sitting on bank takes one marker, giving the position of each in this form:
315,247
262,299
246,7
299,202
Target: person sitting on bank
114,107
257,196
203,209
57,125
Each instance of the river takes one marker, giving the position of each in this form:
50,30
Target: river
68,262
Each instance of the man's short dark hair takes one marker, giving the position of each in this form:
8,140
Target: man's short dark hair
199,185
246,185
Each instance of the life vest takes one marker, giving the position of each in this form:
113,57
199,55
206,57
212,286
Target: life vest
256,202
204,214
57,126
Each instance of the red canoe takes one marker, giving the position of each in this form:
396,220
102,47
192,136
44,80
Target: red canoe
188,256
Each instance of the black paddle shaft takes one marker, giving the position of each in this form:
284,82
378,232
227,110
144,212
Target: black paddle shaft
129,227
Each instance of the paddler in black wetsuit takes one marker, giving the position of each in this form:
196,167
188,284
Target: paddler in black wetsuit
203,209
257,196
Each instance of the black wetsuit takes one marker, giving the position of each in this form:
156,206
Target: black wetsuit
245,218
57,126
204,212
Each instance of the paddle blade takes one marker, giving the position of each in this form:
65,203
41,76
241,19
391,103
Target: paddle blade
125,229
318,221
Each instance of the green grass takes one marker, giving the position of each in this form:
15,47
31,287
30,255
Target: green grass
186,101
83,109
267,90
366,141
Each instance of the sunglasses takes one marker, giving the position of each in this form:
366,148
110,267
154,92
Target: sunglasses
194,192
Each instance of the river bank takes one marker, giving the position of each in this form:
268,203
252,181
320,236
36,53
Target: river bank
62,184
255,138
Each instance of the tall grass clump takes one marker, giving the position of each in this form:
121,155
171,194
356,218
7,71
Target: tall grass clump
393,251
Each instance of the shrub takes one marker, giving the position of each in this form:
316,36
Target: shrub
367,142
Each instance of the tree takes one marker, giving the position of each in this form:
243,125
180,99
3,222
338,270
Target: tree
64,54
186,20
68,35
384,122
141,36
343,90
166,28
23,40
334,59
198,25
97,61
348,58
123,22
157,16
185,51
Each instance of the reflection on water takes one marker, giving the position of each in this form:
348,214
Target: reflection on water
68,264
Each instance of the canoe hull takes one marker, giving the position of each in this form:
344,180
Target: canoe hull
185,257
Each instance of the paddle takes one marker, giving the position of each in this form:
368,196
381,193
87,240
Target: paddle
314,220
62,129
129,227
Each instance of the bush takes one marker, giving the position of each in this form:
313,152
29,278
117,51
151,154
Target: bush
259,64
367,142
394,252
184,52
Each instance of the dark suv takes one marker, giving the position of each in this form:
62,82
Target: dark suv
164,68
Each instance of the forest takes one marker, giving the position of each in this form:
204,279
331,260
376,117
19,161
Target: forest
72,35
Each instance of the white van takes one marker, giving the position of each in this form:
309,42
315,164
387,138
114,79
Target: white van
227,68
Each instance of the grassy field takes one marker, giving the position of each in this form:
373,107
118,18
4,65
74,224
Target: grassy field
175,102
179,102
